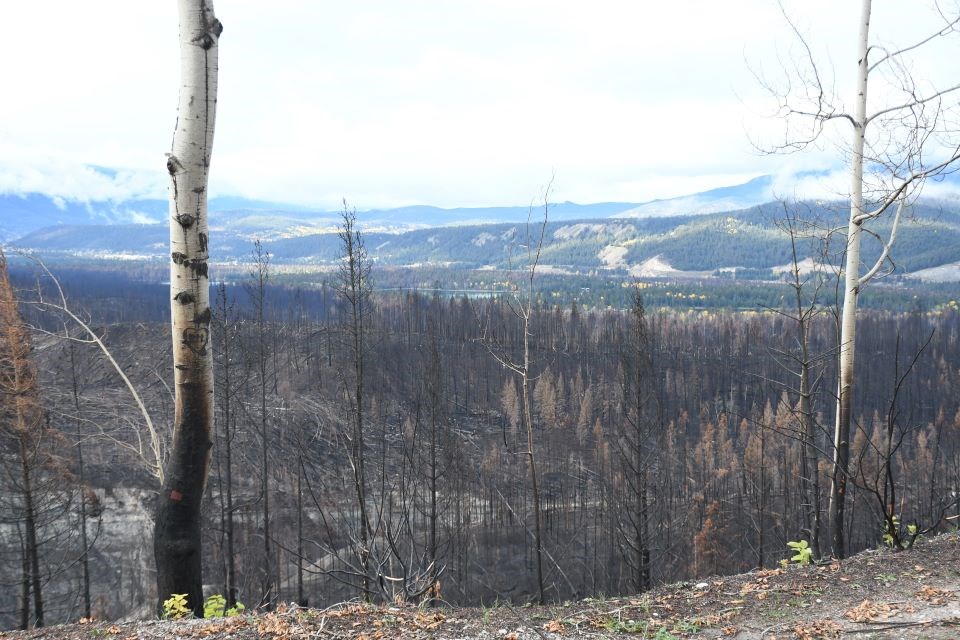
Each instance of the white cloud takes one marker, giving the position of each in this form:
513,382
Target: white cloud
942,190
23,171
831,185
431,102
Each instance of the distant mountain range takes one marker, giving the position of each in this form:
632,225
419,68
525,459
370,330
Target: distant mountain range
21,214
700,235
741,196
928,245
27,213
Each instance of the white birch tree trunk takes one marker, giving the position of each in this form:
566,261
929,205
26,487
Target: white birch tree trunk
851,278
177,528
912,137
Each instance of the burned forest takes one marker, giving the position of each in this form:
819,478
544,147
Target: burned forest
402,447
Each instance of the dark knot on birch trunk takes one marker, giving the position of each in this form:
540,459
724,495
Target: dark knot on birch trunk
174,166
185,220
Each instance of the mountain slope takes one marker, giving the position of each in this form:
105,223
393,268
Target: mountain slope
749,194
747,239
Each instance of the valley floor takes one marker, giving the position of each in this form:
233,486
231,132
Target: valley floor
875,594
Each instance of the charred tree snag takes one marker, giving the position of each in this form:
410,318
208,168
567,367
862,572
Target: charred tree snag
177,527
21,430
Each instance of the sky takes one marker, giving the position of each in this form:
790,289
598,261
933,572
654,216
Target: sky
439,102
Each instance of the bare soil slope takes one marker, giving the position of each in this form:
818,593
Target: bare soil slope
875,594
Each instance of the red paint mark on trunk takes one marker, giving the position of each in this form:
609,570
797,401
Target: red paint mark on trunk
176,496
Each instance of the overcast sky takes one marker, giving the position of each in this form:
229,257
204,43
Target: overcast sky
444,102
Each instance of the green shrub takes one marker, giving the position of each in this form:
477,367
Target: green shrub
175,607
215,607
802,552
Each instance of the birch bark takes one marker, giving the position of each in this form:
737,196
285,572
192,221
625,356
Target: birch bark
851,274
177,528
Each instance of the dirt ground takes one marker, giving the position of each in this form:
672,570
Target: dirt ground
875,594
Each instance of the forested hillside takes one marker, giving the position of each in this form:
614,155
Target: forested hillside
753,241
661,455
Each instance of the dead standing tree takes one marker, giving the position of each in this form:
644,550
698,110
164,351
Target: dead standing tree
177,537
22,430
899,140
523,304
803,310
879,461
637,443
257,291
151,448
227,325
354,288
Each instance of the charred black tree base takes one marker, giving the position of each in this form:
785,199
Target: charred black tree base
177,542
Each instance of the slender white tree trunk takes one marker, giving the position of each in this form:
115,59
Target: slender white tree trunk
851,275
177,528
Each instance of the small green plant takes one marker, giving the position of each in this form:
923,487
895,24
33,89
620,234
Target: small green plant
644,629
885,578
890,527
175,607
643,605
215,607
893,533
802,552
487,610
686,626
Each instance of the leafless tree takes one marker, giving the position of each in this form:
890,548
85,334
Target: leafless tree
150,448
257,290
907,134
803,310
523,303
637,442
354,288
227,326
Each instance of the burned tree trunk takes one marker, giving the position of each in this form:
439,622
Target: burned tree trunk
354,289
177,528
21,429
